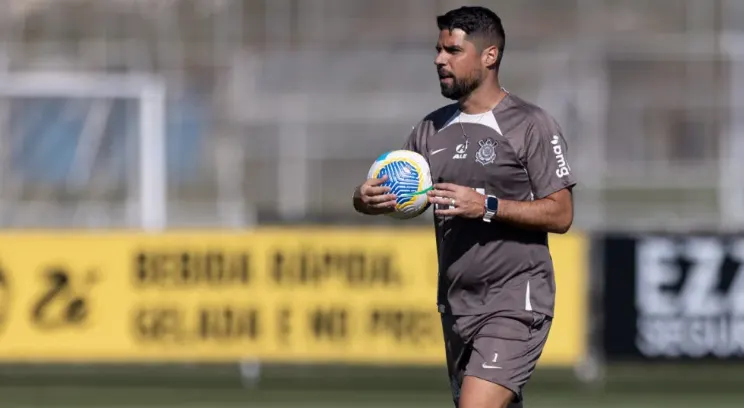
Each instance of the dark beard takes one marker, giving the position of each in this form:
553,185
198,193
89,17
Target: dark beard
459,89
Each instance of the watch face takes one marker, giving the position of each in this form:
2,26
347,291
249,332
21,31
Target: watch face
492,203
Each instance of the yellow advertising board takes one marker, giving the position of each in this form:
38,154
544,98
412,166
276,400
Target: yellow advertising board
283,295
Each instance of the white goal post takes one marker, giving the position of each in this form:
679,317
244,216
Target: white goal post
148,90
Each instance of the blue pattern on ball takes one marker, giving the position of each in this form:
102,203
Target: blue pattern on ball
403,180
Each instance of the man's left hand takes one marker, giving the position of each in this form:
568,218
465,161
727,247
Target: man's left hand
457,200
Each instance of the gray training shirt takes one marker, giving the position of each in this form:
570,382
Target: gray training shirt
515,152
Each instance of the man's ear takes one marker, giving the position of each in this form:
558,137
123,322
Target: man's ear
490,55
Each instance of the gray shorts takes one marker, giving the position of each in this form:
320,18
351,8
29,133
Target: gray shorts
500,349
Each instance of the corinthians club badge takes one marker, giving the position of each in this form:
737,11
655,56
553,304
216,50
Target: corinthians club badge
487,152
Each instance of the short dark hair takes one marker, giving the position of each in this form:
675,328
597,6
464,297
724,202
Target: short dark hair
476,22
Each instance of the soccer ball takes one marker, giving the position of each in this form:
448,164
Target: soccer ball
409,178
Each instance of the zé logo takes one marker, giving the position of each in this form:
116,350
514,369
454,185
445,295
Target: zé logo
64,301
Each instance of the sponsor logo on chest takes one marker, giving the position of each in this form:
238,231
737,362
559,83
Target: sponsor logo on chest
461,151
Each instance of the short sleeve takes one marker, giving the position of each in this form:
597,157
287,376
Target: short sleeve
546,158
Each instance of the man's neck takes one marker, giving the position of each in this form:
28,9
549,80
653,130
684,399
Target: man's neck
483,99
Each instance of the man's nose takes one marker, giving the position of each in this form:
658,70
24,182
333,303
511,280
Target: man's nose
440,60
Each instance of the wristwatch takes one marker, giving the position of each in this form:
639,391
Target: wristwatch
492,206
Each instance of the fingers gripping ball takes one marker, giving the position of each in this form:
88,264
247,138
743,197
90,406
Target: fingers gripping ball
409,178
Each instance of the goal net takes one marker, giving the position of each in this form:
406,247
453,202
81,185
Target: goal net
82,150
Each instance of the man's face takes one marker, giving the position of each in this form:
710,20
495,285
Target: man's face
458,64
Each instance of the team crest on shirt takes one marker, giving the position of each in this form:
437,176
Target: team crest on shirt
486,154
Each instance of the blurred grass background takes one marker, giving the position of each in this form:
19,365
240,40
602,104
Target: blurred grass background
624,386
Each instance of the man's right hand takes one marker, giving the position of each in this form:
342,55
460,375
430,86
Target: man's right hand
372,198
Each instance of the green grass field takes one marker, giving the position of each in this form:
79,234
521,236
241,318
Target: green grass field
628,386
210,398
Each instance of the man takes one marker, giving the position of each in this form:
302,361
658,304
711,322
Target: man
502,183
